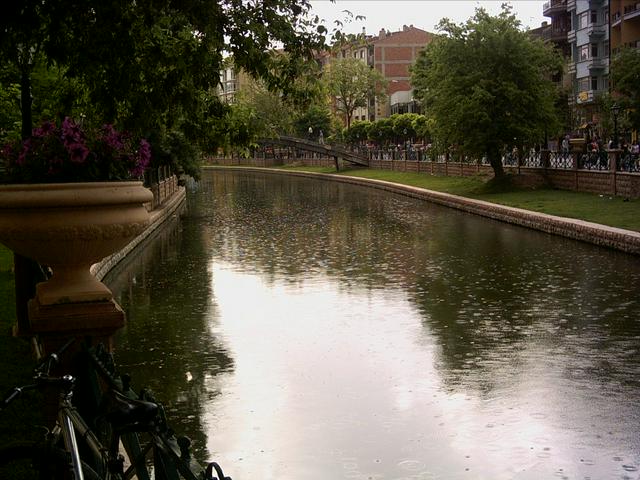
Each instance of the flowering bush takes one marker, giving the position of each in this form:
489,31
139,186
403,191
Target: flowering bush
69,153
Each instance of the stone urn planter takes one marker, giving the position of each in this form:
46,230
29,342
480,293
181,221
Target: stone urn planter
69,227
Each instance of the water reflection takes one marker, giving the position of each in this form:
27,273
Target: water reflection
332,330
165,345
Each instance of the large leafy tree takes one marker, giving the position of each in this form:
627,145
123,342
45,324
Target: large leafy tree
625,76
486,84
352,82
152,66
272,114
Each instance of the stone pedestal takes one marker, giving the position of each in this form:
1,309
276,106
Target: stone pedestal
88,323
55,324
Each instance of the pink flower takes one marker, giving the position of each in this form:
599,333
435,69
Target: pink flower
71,132
45,129
112,137
78,152
26,147
70,153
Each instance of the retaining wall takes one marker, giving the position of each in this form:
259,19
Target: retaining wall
605,182
170,201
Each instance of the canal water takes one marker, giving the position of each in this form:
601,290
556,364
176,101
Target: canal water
303,329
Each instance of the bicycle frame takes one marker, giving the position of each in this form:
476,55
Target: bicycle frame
69,423
125,417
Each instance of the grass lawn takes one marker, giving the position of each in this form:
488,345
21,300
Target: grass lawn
605,210
16,363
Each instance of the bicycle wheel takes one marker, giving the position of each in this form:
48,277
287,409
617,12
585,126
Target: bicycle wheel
29,461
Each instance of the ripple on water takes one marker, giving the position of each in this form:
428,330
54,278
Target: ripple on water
412,465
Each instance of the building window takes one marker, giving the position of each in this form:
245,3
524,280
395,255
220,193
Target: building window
605,51
606,15
583,84
594,16
583,53
583,20
594,50
594,83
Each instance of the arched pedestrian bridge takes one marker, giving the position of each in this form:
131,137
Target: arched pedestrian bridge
307,146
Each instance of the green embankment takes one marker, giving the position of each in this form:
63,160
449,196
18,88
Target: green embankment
606,210
16,364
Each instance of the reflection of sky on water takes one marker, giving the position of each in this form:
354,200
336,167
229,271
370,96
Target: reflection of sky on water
357,388
354,334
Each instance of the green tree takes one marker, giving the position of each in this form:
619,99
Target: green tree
421,125
403,126
352,82
487,85
625,76
272,113
358,132
381,131
318,117
152,66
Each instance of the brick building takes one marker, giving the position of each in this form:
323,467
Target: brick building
391,53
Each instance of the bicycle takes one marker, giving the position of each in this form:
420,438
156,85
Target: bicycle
60,455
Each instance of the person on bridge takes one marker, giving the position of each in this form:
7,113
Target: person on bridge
310,133
321,137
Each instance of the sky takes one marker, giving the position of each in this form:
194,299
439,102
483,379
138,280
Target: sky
425,14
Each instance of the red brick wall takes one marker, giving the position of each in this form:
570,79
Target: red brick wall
411,36
396,69
390,54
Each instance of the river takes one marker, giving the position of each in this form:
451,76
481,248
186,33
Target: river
304,329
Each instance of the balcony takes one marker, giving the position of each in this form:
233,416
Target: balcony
597,31
596,64
631,11
571,36
553,7
571,5
555,34
571,67
616,19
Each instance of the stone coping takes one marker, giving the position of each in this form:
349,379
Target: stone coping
611,237
157,217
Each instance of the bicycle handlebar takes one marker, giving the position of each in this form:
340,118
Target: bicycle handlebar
65,383
52,359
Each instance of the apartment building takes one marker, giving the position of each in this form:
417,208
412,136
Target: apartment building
391,53
588,32
580,30
232,80
625,24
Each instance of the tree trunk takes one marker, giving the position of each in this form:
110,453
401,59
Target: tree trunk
495,160
24,268
25,104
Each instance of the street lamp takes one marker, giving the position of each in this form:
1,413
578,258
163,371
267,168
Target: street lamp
615,110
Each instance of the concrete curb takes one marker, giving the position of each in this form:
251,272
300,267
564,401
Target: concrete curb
624,240
158,216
